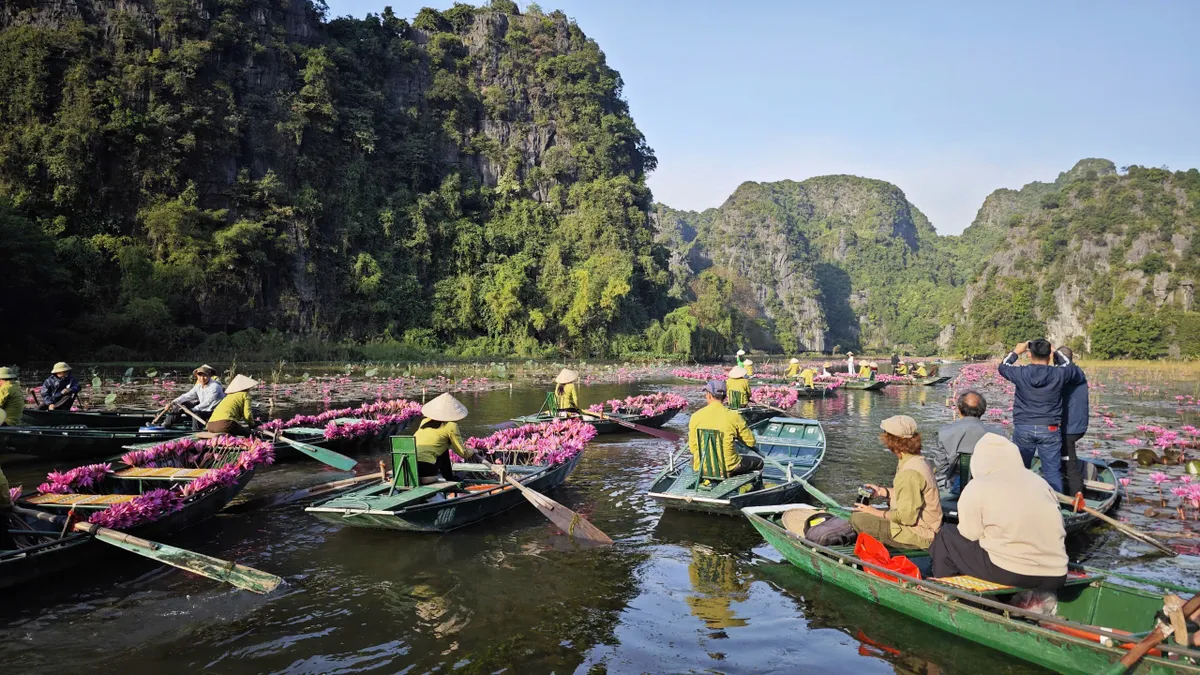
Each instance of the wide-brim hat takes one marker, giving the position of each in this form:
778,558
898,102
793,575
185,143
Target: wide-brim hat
60,367
444,408
741,352
736,372
241,383
794,361
827,364
7,373
565,376
205,369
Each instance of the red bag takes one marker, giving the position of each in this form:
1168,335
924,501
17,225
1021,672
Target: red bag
868,549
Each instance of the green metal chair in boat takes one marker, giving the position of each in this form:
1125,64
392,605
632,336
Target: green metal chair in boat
404,463
737,400
551,404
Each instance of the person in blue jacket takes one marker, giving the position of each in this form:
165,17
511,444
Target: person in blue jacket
1075,422
1038,405
60,389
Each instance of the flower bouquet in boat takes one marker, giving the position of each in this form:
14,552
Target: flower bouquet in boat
150,493
540,456
649,410
777,397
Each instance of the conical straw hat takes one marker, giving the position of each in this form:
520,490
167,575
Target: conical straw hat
444,408
794,361
741,352
241,383
567,376
7,373
736,372
60,367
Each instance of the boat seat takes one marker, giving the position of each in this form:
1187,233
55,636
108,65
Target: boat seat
79,500
981,587
169,473
380,497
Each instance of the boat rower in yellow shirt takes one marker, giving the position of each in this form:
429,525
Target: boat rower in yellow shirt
233,414
737,383
793,369
436,435
12,399
808,375
731,426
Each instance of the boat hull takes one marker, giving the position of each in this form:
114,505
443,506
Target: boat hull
923,381
100,419
452,514
54,444
1049,649
83,549
864,385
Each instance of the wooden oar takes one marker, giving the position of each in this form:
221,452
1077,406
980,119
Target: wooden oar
1160,633
160,414
660,433
1122,527
821,496
241,576
567,520
329,457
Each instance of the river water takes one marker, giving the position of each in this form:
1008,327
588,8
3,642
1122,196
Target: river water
677,593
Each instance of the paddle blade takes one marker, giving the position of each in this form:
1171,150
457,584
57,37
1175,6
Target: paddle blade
660,433
567,520
329,457
246,578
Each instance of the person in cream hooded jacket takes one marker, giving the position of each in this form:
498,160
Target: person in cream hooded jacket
1010,529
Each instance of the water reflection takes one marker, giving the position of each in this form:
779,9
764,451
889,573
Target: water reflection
718,583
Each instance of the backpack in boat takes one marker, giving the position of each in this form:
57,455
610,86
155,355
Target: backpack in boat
826,529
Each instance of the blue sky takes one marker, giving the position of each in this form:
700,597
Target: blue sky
948,100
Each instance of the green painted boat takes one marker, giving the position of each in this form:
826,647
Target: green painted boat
1069,642
603,426
59,444
818,391
311,435
793,448
44,551
923,381
754,413
864,385
439,507
90,419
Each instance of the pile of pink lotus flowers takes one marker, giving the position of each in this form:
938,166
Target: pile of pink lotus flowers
145,508
884,377
703,374
779,397
539,444
79,479
369,428
395,407
195,453
646,404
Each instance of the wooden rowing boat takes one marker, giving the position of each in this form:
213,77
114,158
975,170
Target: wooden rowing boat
313,436
58,444
794,448
922,381
44,552
755,413
90,419
604,426
440,507
864,385
818,391
1072,641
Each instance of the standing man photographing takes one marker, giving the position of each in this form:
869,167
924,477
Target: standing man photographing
1038,405
1075,422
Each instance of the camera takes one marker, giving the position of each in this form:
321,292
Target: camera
864,495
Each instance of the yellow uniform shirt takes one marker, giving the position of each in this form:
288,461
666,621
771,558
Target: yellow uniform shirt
432,442
235,408
719,418
902,369
739,384
809,375
793,370
569,398
921,372
12,402
749,369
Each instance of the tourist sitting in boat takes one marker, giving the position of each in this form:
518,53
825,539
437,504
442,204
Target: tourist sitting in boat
874,370
730,424
902,369
793,369
60,389
825,368
233,414
921,371
12,399
959,438
566,393
914,511
436,435
1010,530
736,382
201,399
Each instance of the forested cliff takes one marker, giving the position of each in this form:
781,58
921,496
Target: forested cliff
248,177
176,171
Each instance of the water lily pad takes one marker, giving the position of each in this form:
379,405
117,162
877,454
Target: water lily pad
110,400
96,383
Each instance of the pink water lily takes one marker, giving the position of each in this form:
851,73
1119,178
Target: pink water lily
648,405
779,397
395,407
538,444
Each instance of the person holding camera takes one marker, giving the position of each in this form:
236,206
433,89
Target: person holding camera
914,513
1038,405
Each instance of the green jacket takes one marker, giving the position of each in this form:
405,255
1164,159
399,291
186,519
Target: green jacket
12,401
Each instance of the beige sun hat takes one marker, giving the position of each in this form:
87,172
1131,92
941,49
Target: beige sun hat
7,373
794,361
736,372
566,376
741,352
206,369
240,383
60,367
902,426
444,408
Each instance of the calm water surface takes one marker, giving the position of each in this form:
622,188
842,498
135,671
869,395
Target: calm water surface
678,593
